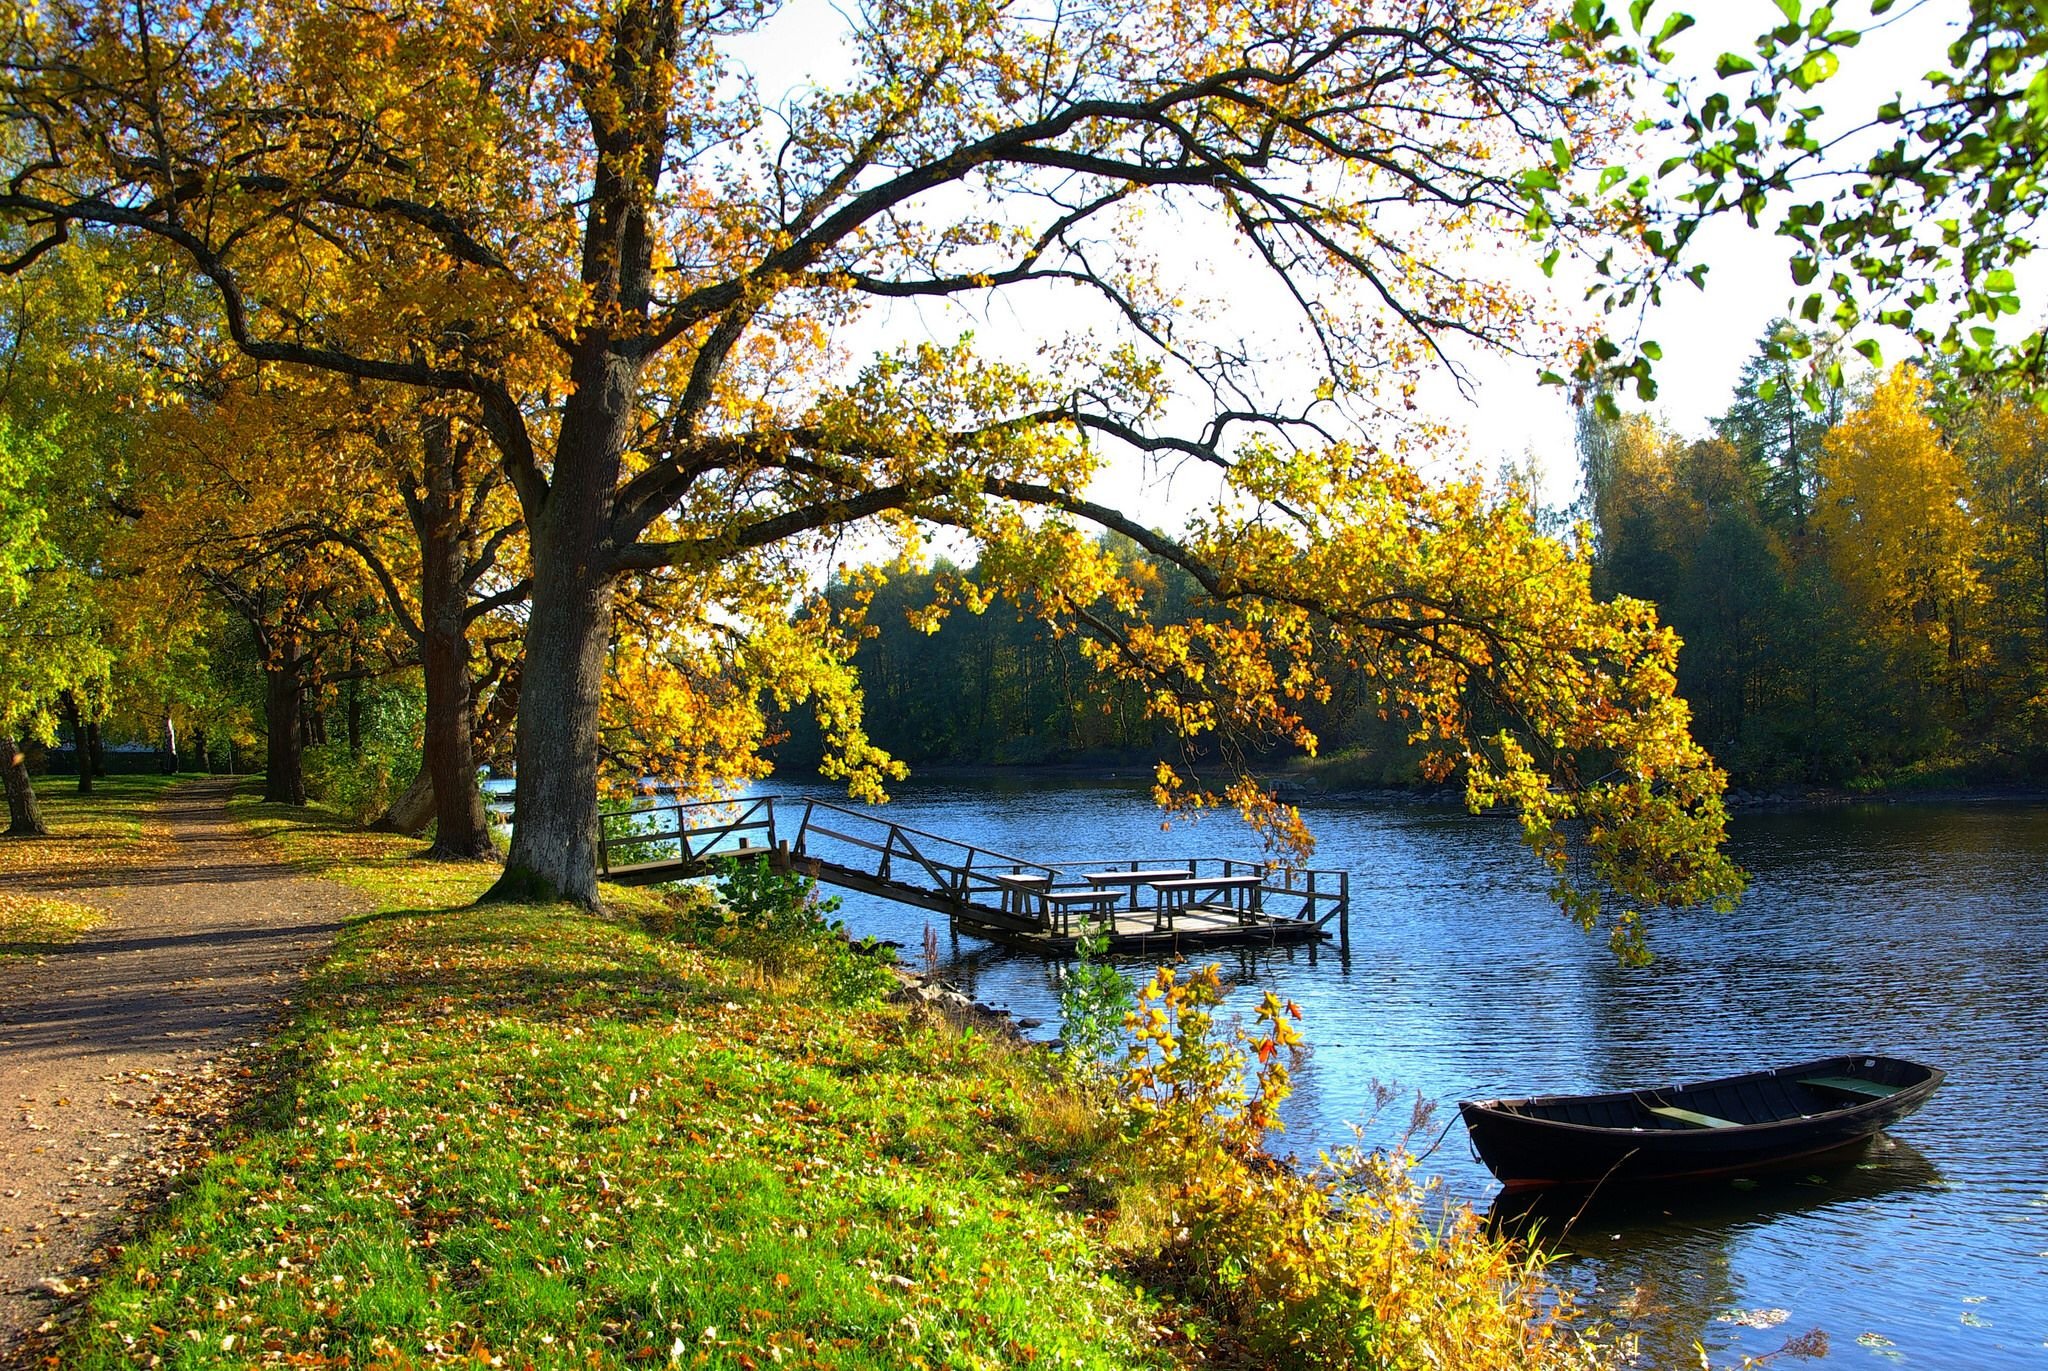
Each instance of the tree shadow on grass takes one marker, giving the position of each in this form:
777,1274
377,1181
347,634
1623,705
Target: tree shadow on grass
447,965
33,948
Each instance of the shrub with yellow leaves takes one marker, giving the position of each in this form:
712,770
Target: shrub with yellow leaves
1358,1263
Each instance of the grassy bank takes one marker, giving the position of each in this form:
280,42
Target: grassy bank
534,1134
520,1136
92,839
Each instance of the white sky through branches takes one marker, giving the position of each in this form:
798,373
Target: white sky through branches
1706,335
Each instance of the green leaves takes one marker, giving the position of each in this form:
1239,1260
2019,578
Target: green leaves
1815,69
1095,997
1923,234
28,457
1674,24
1590,17
50,624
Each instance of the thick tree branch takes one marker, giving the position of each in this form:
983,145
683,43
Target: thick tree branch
697,552
513,594
317,531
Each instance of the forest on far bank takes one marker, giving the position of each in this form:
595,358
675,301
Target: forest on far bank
1861,588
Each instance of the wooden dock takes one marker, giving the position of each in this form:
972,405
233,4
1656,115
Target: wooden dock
1167,905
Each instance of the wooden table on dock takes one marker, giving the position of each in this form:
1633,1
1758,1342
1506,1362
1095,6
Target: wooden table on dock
1135,879
1018,887
1242,895
1027,894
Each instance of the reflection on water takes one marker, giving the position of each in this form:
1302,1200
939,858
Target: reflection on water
1569,1221
1919,931
1662,1256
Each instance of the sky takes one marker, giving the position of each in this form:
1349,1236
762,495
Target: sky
1505,413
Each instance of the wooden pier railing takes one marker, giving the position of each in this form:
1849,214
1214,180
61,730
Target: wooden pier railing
982,890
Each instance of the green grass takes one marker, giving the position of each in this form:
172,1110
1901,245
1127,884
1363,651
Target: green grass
1360,768
115,805
91,837
34,924
547,1137
112,818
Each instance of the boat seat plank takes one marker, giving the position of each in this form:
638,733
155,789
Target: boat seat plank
1692,1116
1851,1085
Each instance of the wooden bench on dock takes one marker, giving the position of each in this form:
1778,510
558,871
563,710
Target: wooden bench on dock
1030,895
1059,906
1019,888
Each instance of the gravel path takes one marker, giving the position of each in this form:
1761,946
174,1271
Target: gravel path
107,1045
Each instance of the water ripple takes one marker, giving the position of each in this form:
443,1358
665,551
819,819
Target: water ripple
1917,930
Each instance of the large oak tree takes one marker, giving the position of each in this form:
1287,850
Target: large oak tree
643,282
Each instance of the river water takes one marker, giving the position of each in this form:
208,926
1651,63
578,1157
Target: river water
1917,930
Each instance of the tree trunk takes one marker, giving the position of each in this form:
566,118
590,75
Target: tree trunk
24,816
170,736
99,753
461,831
284,692
568,636
200,751
413,810
448,759
570,529
81,750
355,705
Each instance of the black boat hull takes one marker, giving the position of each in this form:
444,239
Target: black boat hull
1621,1138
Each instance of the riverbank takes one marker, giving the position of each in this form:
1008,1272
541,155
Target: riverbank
538,1134
1907,792
553,1138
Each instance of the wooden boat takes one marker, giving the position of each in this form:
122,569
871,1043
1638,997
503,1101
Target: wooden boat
1710,1128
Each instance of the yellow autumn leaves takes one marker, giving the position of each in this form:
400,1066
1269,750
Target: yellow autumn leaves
1894,509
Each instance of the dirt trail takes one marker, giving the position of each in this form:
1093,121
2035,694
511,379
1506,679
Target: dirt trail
201,948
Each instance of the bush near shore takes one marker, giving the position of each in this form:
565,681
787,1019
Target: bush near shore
520,1136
